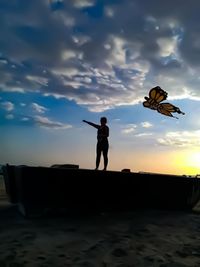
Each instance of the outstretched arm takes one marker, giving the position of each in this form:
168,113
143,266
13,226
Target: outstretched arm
91,124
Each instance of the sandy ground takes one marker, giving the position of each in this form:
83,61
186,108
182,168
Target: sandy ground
139,238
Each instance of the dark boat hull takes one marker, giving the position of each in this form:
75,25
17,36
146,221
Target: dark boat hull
10,182
82,190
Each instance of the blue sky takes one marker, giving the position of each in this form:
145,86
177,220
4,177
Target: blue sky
65,61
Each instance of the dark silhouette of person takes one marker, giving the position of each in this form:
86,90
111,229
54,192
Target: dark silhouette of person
102,141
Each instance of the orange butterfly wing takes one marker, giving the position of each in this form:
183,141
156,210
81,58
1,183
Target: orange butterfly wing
146,104
157,94
167,108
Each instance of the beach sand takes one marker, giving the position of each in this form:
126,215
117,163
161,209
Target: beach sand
139,238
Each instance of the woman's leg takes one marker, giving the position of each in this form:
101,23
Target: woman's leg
98,155
105,156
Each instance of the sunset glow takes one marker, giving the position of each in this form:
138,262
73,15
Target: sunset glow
65,61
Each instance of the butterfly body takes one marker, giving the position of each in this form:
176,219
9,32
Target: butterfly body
157,95
151,103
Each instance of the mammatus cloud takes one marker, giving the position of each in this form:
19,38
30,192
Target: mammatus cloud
180,139
7,105
47,123
38,108
100,57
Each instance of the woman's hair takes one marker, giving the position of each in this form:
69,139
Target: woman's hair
104,119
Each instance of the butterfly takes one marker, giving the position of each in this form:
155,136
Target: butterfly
157,95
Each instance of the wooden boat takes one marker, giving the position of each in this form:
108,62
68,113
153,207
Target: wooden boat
36,189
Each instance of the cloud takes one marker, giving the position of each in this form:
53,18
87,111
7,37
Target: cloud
83,3
180,139
143,134
38,108
22,104
9,116
38,80
129,129
134,129
100,56
25,119
7,105
47,123
146,124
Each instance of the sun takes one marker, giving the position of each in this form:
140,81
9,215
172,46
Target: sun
192,162
188,162
194,159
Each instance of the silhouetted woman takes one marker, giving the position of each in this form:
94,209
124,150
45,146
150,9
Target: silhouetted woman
102,141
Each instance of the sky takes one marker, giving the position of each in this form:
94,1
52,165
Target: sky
65,61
